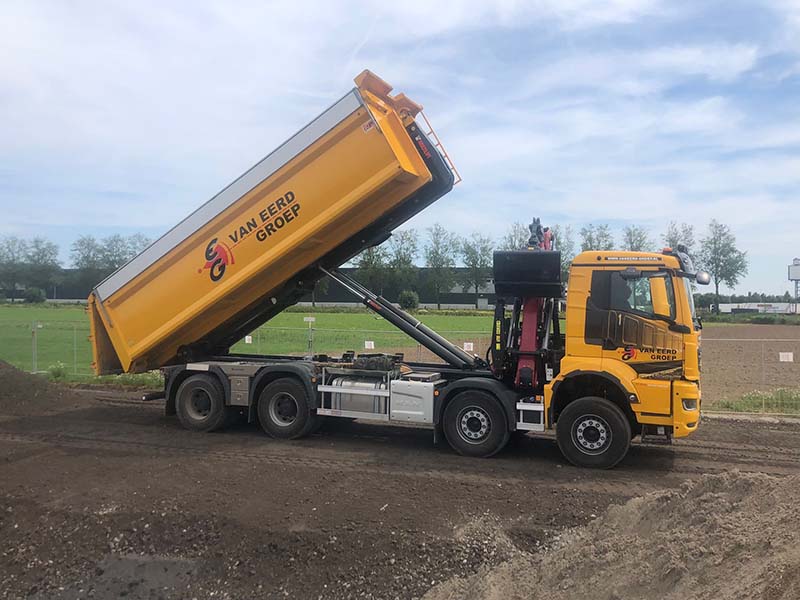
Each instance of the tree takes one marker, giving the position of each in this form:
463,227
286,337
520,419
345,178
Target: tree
34,295
96,259
41,261
136,243
516,238
408,300
476,252
596,237
721,258
403,250
372,267
565,243
13,251
680,234
440,253
86,253
636,239
115,251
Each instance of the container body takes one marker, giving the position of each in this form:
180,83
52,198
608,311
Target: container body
235,262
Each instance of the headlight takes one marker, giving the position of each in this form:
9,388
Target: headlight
689,403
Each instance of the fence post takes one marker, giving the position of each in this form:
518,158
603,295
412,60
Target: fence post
764,376
33,347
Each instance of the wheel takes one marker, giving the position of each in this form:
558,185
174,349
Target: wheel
593,432
475,424
200,403
284,409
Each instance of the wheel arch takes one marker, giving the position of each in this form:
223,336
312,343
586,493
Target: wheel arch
506,397
592,383
266,375
175,376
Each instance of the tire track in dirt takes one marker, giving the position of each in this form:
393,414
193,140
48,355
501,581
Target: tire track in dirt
673,461
330,464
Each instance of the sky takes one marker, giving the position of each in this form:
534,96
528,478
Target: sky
123,117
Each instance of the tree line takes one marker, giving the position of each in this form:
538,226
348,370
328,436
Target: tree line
29,267
393,264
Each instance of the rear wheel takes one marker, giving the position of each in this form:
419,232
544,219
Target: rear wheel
200,403
593,432
284,409
475,424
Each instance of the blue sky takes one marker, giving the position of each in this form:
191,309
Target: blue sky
123,117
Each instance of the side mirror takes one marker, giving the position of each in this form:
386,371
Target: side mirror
703,278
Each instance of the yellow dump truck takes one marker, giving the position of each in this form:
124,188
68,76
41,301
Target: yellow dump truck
340,185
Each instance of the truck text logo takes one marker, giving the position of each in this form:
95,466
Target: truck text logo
218,257
271,219
631,352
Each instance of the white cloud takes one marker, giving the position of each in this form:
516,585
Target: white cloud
720,62
635,73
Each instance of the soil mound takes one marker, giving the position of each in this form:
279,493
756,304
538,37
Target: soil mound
25,394
721,536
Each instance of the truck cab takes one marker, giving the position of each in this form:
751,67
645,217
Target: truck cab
632,339
627,363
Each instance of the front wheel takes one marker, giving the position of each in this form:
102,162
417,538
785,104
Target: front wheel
593,432
475,424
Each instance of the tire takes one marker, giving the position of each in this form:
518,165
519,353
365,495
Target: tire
475,424
200,403
593,432
284,410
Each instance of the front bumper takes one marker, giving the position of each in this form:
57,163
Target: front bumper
685,408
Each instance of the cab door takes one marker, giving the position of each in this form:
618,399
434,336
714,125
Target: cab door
635,310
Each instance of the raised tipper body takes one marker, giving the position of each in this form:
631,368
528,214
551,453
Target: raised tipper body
342,183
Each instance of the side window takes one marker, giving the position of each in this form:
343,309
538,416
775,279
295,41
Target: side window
611,292
641,299
630,295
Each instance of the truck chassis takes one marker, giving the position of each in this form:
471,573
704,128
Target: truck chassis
463,399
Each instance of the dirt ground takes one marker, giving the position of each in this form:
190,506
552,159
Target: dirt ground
735,360
101,495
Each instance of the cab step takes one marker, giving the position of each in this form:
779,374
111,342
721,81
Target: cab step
659,435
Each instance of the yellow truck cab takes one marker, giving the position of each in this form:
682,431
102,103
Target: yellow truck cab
633,339
626,365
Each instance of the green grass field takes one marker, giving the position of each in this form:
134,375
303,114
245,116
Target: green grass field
61,335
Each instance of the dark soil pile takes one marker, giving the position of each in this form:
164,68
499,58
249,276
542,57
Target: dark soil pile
25,394
722,537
